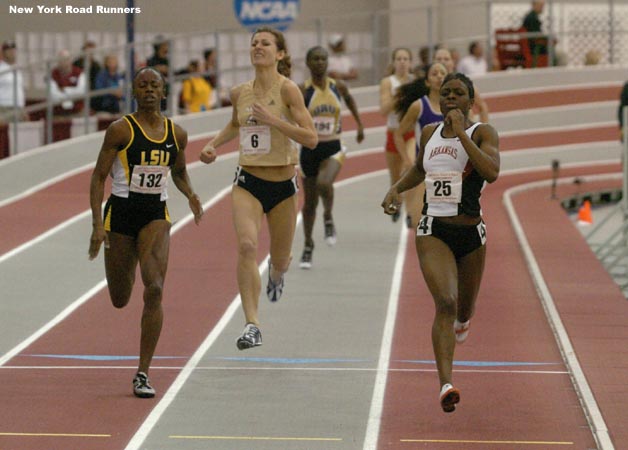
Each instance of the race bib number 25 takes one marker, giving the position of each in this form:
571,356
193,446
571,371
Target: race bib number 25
443,187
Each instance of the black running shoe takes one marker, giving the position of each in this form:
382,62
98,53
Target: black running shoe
142,387
274,289
306,257
250,337
330,233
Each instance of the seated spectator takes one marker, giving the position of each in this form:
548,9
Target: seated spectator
109,77
340,66
196,91
94,66
10,97
474,63
68,82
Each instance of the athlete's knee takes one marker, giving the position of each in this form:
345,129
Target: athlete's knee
153,292
119,296
324,187
446,305
247,248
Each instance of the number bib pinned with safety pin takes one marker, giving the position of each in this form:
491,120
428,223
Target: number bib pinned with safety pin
255,140
443,187
149,179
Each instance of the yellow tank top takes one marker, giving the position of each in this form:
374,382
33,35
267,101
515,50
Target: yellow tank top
324,106
262,145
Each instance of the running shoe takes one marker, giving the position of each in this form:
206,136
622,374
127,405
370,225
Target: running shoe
330,233
462,330
250,337
306,257
274,289
449,396
142,387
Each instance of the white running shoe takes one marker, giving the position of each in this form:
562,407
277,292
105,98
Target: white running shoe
449,396
462,330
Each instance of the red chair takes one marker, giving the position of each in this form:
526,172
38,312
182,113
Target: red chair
513,49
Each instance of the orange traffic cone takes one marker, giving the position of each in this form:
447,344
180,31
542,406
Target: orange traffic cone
584,214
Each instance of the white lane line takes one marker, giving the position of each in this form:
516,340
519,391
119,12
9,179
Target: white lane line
579,381
94,290
152,419
377,400
292,369
227,156
45,184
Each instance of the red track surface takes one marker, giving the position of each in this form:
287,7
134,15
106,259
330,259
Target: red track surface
500,406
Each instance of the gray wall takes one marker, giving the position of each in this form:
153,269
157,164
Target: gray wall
164,16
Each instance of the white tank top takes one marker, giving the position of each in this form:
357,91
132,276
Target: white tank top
392,121
452,186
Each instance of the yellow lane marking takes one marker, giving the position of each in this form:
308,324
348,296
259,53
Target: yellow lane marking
256,438
56,435
454,441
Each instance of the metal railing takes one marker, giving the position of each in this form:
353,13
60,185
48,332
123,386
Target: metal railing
368,38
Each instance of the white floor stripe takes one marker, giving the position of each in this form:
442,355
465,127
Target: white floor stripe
377,401
152,419
288,368
93,291
590,407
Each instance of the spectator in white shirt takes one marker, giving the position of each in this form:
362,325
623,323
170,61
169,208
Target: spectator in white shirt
474,63
339,64
11,93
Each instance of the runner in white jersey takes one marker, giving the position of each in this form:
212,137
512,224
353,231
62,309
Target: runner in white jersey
397,160
456,159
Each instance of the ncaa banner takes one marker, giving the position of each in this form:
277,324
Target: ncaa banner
275,13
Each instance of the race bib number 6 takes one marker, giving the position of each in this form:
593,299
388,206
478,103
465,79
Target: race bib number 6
443,187
255,140
149,179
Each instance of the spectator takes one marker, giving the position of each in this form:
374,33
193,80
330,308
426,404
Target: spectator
220,97
68,81
474,63
420,70
10,97
109,77
196,91
340,65
211,67
592,58
532,23
94,67
623,101
159,60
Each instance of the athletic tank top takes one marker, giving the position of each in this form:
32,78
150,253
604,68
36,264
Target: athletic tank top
262,145
392,120
426,117
452,185
324,106
142,166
